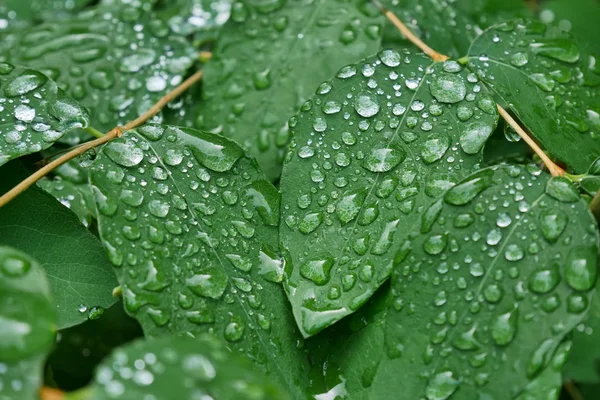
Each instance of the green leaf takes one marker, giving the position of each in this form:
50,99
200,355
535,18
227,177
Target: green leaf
269,58
27,324
505,272
180,368
116,62
540,74
34,113
79,273
190,224
370,150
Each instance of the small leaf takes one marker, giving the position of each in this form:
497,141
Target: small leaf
355,180
78,271
269,56
540,73
180,368
190,224
34,112
27,324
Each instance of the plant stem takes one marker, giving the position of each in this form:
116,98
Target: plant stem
94,132
115,132
414,39
47,393
554,169
595,206
572,390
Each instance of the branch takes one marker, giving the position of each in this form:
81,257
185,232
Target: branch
574,393
554,169
47,393
115,132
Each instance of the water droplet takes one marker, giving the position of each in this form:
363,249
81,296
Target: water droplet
123,153
366,104
434,147
580,269
474,136
447,88
441,386
545,279
504,327
562,189
384,158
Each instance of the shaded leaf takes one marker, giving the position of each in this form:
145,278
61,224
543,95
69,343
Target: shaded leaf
190,224
180,368
269,58
78,271
27,324
540,74
370,150
34,112
116,62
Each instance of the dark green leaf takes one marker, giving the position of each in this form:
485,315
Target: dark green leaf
27,324
504,277
268,60
540,73
115,62
180,368
79,273
34,113
190,224
370,150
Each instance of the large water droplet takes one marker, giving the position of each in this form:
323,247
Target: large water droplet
448,88
580,269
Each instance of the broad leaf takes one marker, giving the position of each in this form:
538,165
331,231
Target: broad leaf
370,150
115,62
79,273
34,113
269,58
27,324
180,368
504,270
540,74
190,224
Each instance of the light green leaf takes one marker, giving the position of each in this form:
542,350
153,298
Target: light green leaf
34,112
79,273
27,324
505,272
190,224
541,75
180,368
370,150
269,58
116,62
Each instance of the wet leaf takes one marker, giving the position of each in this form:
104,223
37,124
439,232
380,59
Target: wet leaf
34,113
514,276
370,150
541,74
269,58
190,224
79,273
116,62
180,368
27,324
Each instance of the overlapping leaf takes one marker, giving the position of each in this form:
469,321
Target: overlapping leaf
269,58
27,324
115,62
505,268
34,112
540,73
372,148
79,272
180,368
190,224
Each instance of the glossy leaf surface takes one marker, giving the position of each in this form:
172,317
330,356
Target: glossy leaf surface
190,224
370,150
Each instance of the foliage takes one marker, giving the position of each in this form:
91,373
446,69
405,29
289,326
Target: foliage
335,212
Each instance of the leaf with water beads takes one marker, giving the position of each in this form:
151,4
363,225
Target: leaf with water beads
117,62
190,224
553,91
34,112
268,59
27,324
513,275
370,150
180,368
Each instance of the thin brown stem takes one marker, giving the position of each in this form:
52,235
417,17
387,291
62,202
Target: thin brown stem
554,169
408,34
573,391
116,132
47,393
595,206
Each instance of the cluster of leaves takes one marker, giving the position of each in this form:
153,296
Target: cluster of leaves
330,215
